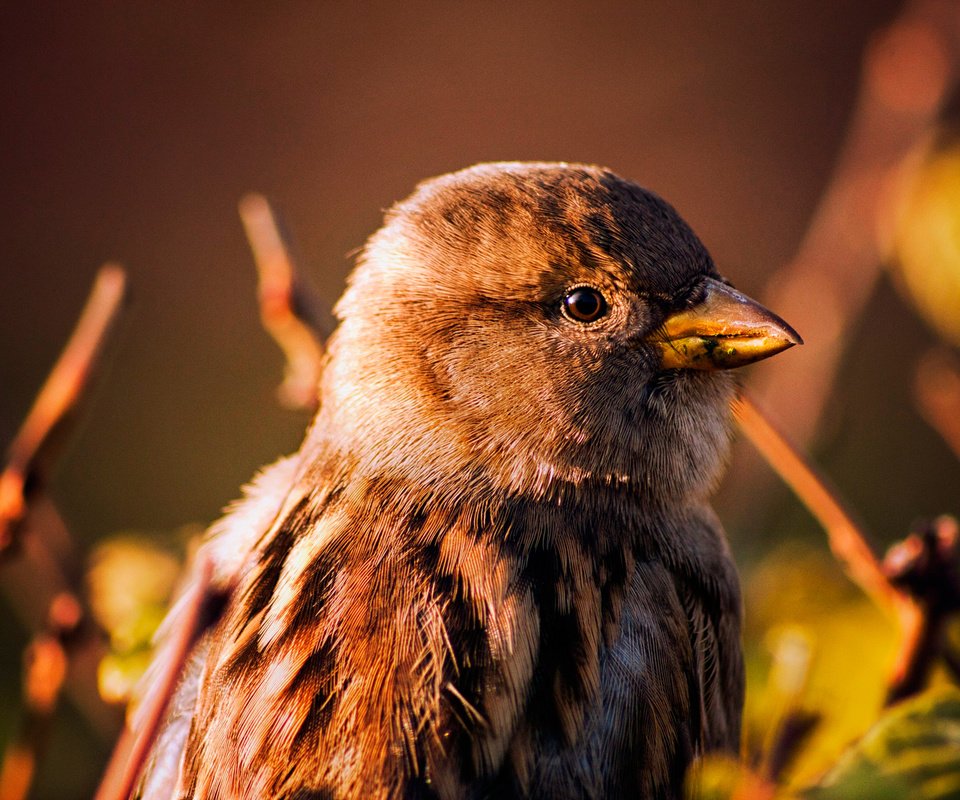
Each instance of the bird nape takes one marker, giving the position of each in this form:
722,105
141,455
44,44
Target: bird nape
491,570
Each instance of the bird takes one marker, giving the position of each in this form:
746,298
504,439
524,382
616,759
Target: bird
492,569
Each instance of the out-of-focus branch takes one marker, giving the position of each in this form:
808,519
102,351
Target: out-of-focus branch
906,593
296,319
909,68
290,311
791,725
30,457
193,616
937,393
847,540
46,423
926,567
46,663
46,567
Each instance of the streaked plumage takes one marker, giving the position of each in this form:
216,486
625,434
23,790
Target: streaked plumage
491,571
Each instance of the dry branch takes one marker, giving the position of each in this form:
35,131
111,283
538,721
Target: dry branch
46,662
919,625
846,538
290,311
47,659
33,447
133,747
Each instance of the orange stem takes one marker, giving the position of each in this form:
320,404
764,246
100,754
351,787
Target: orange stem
288,310
65,386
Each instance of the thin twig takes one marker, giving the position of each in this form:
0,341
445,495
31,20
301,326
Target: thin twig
290,311
847,541
937,393
47,566
133,747
32,449
46,663
30,456
849,545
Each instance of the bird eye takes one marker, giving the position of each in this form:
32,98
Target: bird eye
584,304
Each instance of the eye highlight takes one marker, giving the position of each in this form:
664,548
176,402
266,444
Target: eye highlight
584,304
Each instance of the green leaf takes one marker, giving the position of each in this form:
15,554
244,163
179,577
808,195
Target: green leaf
912,752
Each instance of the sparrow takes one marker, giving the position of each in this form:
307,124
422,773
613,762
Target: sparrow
492,569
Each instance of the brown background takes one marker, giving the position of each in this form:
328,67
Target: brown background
130,131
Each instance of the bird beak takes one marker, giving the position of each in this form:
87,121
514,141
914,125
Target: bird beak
727,329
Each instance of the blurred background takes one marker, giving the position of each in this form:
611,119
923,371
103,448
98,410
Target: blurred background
130,131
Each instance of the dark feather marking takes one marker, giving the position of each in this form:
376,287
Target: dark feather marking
259,592
614,572
316,589
317,676
321,793
560,649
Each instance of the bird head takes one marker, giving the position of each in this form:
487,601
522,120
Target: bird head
531,327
